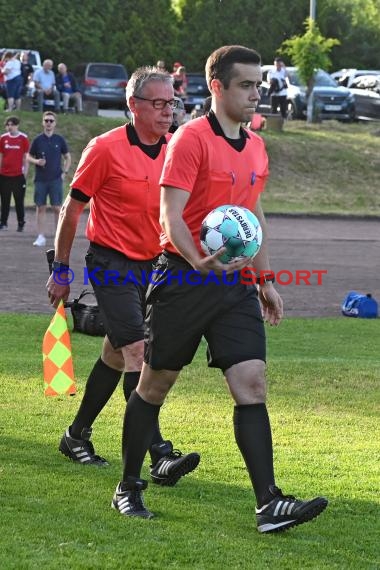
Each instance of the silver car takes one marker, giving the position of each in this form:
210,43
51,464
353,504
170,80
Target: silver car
102,82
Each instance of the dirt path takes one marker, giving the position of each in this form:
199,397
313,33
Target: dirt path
349,250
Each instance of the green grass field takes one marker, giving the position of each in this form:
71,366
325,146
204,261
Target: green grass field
329,168
323,394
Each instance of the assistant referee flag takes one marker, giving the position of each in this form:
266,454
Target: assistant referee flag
57,357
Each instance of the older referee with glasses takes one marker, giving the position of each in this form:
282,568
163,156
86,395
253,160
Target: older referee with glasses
118,174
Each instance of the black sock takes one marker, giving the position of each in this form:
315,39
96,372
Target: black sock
254,438
131,379
100,386
139,422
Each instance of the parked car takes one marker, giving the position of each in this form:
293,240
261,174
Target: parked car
366,91
346,77
335,102
196,91
102,82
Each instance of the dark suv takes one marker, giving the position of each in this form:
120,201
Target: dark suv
196,91
334,102
102,82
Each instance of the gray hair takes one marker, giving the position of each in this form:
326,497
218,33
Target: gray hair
142,76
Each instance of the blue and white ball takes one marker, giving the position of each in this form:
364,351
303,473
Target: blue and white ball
233,227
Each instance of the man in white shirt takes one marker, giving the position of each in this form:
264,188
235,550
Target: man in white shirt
44,80
277,78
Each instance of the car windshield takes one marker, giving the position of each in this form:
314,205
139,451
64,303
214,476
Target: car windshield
321,79
107,71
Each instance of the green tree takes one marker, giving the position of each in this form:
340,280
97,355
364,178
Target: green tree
308,53
357,24
75,31
208,24
136,33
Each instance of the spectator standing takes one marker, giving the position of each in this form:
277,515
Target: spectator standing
118,174
67,88
212,161
13,81
26,71
46,153
278,89
44,80
176,65
180,81
14,146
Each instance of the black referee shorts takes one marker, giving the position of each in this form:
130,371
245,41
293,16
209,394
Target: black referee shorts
180,312
119,285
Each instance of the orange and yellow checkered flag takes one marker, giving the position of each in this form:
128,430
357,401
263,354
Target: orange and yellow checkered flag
57,358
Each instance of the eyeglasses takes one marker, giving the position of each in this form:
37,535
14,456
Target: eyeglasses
49,121
159,103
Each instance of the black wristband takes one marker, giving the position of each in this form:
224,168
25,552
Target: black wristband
59,266
262,279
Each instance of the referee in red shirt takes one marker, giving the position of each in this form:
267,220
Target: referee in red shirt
213,161
118,174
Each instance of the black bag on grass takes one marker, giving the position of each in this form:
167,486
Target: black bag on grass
86,317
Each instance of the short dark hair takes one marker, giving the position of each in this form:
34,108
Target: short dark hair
13,120
279,59
220,62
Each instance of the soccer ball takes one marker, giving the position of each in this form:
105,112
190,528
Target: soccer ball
233,227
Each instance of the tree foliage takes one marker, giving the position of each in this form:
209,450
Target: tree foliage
309,52
136,33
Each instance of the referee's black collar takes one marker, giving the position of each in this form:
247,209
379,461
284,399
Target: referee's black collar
134,138
215,125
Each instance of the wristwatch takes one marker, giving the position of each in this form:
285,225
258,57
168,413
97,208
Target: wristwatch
262,279
59,266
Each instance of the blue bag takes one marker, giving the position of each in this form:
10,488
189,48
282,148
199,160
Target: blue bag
359,305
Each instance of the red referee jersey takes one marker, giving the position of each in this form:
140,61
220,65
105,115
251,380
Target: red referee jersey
204,164
122,181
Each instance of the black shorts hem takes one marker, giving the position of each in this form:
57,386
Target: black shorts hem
225,363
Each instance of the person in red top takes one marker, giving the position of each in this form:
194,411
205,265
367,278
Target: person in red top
213,161
179,81
118,174
14,146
